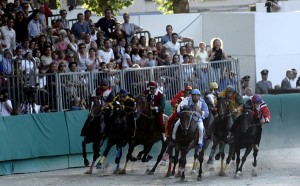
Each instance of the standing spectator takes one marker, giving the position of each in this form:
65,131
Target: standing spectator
21,23
107,22
168,37
46,11
129,28
34,28
172,47
5,103
117,33
42,18
263,86
189,49
18,6
80,27
10,35
6,65
294,78
87,17
201,56
286,82
25,8
63,16
216,53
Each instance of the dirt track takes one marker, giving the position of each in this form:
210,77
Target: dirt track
275,167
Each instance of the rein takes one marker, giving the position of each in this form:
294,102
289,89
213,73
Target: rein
191,117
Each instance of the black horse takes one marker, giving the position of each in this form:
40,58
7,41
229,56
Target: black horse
147,133
94,131
244,137
187,137
117,135
222,125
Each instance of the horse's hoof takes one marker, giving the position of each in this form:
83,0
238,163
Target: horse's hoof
149,157
117,171
217,157
99,166
237,175
138,158
254,173
88,172
168,174
222,173
151,172
172,176
182,180
178,174
193,172
86,163
133,159
163,163
144,160
210,161
199,178
123,171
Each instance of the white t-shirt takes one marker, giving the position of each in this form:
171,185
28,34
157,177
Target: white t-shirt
201,57
106,56
125,63
172,48
3,110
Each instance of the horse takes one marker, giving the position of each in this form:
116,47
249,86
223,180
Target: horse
187,137
94,131
222,124
244,137
146,133
117,135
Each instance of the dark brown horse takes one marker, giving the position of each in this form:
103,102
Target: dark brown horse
244,137
147,133
186,139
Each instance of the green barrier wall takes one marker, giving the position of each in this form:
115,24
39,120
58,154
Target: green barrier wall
42,142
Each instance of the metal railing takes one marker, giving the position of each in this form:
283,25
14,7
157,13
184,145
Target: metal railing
58,89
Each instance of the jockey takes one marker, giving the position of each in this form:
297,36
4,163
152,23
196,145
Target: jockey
174,102
127,103
261,115
235,105
201,112
235,100
157,105
212,96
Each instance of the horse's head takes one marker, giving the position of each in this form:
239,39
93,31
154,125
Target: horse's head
222,107
186,115
142,104
117,117
209,100
246,120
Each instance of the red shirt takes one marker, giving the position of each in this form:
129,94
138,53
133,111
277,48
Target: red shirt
262,112
177,98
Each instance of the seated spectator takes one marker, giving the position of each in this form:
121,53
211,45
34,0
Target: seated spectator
151,45
135,55
106,53
142,42
127,62
118,33
285,83
144,60
175,60
62,43
151,62
93,61
134,42
46,58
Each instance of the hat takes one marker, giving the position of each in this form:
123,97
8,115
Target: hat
152,84
104,82
188,88
246,78
264,72
123,92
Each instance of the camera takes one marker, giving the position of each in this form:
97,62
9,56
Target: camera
29,92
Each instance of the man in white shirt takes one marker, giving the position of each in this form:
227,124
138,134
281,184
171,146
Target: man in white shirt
10,35
106,53
172,47
5,104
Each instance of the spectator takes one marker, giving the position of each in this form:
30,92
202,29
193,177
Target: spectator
175,60
18,6
46,11
87,17
189,49
72,46
201,56
143,61
93,61
182,53
19,53
167,60
6,65
127,62
272,6
36,53
62,67
10,35
248,93
135,55
294,78
82,57
118,33
216,53
62,43
286,82
263,86
172,47
34,28
63,16
143,43
25,8
106,53
107,22
26,46
93,32
134,42
151,62
129,28
27,65
151,45
245,83
80,27
168,37
5,103
46,58
78,104
87,41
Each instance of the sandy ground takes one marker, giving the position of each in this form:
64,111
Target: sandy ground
279,167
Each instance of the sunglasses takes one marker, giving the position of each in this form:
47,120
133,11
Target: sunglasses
188,92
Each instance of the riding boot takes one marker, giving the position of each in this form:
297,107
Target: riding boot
176,125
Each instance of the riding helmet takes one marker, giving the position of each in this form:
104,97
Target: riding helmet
256,99
188,88
123,92
229,88
196,92
152,84
213,85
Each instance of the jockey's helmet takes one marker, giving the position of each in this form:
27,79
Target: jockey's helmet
104,82
152,84
196,92
230,88
256,99
123,92
187,88
213,86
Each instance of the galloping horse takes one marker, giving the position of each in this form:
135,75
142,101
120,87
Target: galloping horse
117,134
244,137
146,133
94,131
222,124
186,138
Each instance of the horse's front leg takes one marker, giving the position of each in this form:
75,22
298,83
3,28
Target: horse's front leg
229,157
160,156
118,158
128,157
86,161
201,159
222,155
182,162
255,151
247,152
175,159
196,159
96,155
212,152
